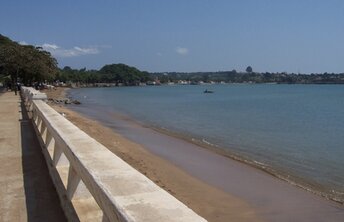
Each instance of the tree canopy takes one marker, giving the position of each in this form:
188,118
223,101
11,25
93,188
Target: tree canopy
121,73
249,69
111,73
26,62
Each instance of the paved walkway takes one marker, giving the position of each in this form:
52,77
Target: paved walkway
26,190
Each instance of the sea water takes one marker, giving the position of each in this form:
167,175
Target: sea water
294,130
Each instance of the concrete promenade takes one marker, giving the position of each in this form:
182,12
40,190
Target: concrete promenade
26,190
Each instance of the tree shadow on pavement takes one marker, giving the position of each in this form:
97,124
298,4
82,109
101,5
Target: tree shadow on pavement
42,201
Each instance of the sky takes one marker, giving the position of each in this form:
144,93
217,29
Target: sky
300,36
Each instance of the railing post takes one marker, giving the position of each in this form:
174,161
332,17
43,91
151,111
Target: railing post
73,182
43,131
39,123
57,154
50,144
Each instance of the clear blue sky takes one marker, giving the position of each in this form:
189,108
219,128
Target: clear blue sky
183,35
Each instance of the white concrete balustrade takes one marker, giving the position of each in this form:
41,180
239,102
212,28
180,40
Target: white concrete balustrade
93,183
29,94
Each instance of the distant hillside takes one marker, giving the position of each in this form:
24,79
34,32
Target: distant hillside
29,64
112,73
250,77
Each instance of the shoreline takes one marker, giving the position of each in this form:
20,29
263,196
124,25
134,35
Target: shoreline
217,152
280,173
277,173
209,202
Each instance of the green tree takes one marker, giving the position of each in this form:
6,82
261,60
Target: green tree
249,69
121,73
28,63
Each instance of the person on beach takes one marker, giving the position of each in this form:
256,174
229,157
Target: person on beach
9,86
18,86
15,89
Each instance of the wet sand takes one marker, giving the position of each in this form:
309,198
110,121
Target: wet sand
216,187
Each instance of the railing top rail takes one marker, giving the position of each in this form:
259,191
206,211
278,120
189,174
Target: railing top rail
33,94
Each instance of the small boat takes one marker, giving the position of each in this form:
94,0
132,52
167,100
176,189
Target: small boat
208,91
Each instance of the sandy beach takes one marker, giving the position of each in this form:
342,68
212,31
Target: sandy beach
209,202
214,186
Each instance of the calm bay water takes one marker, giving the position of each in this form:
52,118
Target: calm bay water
294,129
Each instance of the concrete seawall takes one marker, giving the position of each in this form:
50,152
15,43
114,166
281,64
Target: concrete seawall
93,184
